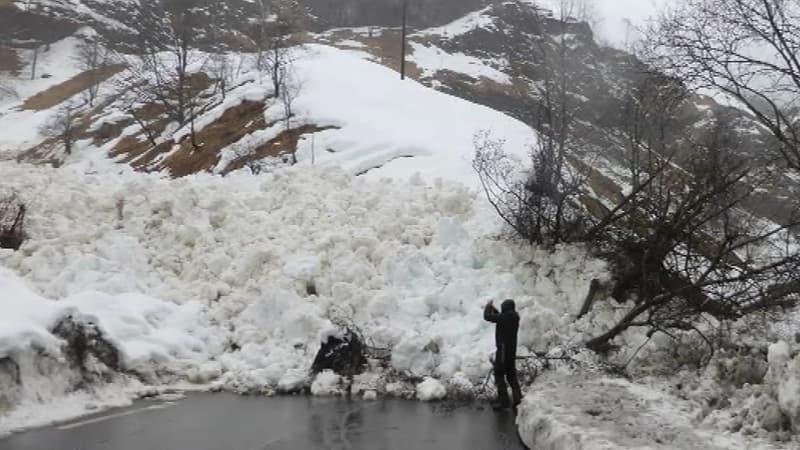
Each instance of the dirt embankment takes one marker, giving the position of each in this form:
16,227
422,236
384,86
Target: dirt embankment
61,92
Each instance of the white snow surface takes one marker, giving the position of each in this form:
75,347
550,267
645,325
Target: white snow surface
431,389
401,126
326,382
470,22
579,412
154,338
147,331
431,59
58,65
784,378
376,120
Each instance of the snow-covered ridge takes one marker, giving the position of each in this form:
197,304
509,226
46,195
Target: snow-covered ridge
473,20
401,126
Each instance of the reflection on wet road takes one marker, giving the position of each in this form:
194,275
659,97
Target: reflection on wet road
230,422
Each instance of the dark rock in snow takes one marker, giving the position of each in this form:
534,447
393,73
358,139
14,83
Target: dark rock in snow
9,382
9,368
345,355
84,339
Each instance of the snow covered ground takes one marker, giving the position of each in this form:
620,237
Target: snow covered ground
578,412
431,59
57,64
470,22
400,126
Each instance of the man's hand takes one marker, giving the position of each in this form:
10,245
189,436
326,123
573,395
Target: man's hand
489,303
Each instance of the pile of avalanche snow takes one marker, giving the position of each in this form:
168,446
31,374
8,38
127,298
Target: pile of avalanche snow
783,378
592,412
262,266
49,349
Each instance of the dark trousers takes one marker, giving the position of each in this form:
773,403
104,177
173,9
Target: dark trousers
506,369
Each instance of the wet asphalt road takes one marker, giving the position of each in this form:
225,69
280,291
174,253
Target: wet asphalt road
206,421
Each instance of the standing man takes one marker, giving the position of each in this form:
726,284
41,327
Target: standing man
505,337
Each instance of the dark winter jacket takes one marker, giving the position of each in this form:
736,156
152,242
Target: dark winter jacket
505,333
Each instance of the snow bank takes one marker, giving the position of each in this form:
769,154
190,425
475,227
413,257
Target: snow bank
326,383
145,330
588,412
431,59
399,126
431,389
784,379
470,22
58,64
152,337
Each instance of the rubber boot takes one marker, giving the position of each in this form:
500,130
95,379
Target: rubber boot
501,402
516,396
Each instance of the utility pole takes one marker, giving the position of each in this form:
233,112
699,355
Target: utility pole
403,43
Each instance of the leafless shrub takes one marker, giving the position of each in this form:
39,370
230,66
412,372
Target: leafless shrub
275,35
62,126
746,49
161,71
91,56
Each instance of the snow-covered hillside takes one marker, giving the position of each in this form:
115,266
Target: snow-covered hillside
369,118
400,126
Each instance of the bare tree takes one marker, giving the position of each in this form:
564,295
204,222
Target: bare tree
542,206
62,126
91,57
403,40
290,91
223,73
275,34
161,71
683,246
746,49
35,59
689,251
6,90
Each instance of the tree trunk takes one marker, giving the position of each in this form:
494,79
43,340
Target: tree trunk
594,288
192,133
145,128
33,65
403,43
602,343
276,71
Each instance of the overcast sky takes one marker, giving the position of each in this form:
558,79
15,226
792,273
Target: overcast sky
612,16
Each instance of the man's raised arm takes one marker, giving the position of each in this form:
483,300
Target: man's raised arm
490,313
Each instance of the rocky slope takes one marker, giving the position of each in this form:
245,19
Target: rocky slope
521,41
